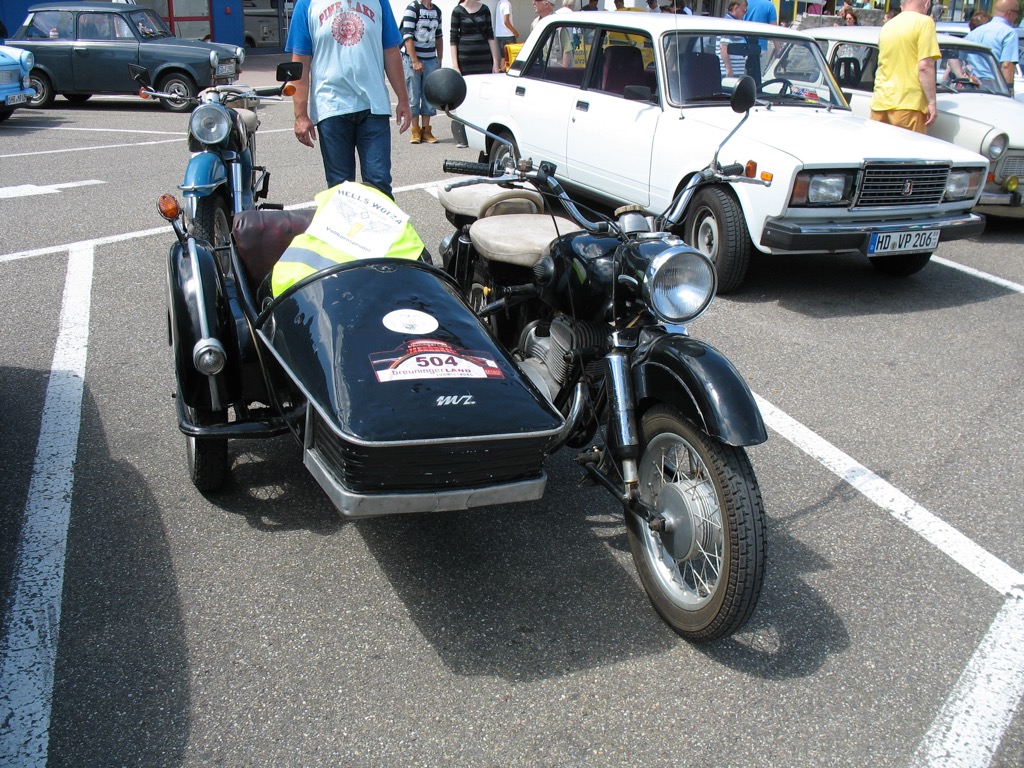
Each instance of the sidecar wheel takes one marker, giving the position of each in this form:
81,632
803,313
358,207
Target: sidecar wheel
213,224
704,573
716,228
208,465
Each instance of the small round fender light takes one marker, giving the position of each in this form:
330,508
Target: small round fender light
168,207
209,356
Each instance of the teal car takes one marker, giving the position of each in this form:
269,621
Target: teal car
15,66
82,49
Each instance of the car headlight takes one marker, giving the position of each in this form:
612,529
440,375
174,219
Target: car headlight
994,145
214,60
28,60
210,123
679,284
963,183
240,55
822,188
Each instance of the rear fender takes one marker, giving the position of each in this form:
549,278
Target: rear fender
198,308
700,382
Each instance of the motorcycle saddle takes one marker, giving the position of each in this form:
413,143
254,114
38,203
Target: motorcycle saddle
261,236
519,239
482,200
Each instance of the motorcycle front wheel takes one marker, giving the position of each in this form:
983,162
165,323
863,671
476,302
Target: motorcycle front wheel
704,573
213,224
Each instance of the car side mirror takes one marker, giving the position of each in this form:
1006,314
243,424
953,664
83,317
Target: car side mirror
444,89
637,93
140,75
744,95
288,71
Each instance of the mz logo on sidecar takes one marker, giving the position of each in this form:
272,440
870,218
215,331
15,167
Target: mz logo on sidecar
455,400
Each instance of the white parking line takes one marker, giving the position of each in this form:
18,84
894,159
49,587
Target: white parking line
1017,287
965,734
90,149
29,650
27,190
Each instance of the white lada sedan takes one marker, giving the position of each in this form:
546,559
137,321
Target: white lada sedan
974,107
629,105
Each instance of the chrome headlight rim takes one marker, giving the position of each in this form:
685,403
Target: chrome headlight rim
995,144
210,124
679,284
214,60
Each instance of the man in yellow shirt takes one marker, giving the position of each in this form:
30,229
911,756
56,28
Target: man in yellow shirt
904,92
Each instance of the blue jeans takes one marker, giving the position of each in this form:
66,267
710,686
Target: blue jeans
342,136
414,85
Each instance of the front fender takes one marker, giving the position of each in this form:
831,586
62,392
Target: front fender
204,173
700,382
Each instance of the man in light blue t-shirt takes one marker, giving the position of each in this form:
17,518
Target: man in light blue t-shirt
762,11
1000,38
346,50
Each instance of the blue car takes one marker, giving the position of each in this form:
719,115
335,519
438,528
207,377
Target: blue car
15,65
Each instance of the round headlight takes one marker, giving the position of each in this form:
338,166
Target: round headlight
679,284
214,60
209,123
28,60
994,147
240,55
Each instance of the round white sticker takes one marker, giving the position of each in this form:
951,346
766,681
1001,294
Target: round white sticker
409,321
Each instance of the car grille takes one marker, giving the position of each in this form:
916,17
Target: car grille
9,76
884,185
441,466
1013,166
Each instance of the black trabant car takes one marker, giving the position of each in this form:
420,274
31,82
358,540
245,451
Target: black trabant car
83,49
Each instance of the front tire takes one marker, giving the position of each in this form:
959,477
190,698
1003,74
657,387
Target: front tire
703,574
208,466
44,90
901,264
213,224
716,228
180,86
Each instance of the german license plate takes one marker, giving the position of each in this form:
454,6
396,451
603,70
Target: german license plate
901,242
226,69
16,98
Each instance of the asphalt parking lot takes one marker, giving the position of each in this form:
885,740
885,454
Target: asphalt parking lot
255,627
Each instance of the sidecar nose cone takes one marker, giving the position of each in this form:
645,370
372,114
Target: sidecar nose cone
445,89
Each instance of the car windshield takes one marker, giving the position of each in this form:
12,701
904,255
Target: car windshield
968,70
704,69
148,24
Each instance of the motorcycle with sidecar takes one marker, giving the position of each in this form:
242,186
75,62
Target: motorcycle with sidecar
412,388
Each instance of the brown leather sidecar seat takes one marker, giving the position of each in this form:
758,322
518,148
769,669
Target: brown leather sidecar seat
261,236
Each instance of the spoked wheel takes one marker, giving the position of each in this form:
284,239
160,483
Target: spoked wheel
901,264
716,228
208,465
704,572
213,224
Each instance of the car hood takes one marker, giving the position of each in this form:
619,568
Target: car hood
983,111
9,55
179,44
827,138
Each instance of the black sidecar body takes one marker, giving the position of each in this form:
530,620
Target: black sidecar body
399,396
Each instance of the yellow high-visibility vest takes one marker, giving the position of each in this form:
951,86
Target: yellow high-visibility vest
352,221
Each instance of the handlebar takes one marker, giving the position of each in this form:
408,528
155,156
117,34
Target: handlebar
467,168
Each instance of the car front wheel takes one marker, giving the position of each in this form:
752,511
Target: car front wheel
716,228
43,88
499,152
182,88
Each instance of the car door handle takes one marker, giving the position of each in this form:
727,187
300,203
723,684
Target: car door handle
583,106
520,91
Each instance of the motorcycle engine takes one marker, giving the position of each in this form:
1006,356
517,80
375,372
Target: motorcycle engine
546,352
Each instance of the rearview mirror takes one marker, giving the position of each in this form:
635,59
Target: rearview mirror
744,95
288,71
444,89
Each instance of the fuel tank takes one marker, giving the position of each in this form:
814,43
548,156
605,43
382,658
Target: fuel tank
409,392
